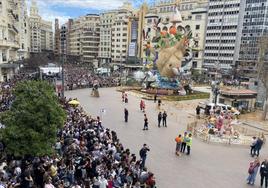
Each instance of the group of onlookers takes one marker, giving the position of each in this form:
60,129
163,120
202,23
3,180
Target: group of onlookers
255,166
82,77
86,155
183,142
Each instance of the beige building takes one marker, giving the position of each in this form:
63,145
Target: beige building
106,23
84,37
121,33
24,30
90,39
41,31
9,38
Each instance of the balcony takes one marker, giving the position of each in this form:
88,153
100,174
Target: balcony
9,44
12,28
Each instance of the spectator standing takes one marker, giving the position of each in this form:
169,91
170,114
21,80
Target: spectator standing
252,146
126,115
145,127
164,119
264,173
159,103
123,96
178,140
126,98
252,171
183,144
143,155
155,98
159,118
142,105
258,146
189,141
198,111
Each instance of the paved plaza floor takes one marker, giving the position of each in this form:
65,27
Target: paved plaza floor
208,166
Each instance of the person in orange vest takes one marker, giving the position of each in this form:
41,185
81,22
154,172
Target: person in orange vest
178,140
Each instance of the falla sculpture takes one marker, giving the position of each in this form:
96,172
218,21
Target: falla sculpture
165,52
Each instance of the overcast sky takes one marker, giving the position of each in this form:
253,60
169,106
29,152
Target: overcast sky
64,9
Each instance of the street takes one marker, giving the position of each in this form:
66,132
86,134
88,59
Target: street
208,166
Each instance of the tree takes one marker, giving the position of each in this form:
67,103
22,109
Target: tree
33,120
263,69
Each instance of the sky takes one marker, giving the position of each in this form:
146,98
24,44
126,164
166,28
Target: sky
65,9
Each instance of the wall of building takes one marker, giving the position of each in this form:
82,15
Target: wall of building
106,23
221,33
41,31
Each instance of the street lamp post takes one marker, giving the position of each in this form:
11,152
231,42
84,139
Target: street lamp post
62,76
121,68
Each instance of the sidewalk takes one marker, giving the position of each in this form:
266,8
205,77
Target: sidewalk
254,120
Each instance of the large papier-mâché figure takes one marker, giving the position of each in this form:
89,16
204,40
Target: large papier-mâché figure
170,59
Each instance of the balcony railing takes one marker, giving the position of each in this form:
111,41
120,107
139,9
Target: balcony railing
9,43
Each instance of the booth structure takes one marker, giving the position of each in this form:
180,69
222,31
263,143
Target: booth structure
242,99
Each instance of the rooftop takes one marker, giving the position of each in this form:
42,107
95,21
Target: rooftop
238,92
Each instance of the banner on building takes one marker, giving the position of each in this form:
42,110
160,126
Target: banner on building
132,49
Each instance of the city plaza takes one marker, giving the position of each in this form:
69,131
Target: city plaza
209,165
205,59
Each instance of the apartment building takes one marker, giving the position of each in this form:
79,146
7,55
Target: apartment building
120,34
63,38
9,38
254,26
223,34
84,37
41,31
57,37
90,38
106,23
74,38
24,30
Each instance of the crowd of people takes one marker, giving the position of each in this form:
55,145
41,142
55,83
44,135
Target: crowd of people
82,77
86,155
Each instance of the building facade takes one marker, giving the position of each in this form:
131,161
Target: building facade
63,38
222,32
83,38
121,33
41,31
57,37
24,30
9,38
106,23
254,26
90,38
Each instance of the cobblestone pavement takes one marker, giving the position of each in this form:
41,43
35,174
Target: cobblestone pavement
209,166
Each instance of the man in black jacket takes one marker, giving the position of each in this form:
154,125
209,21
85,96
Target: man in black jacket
258,146
264,173
143,155
126,115
164,119
159,118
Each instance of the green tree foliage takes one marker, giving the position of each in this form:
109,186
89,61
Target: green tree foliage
33,120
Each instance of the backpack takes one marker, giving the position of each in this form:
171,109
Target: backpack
251,168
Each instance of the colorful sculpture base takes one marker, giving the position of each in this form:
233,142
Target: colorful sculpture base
165,83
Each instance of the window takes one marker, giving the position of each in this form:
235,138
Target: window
197,27
198,17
